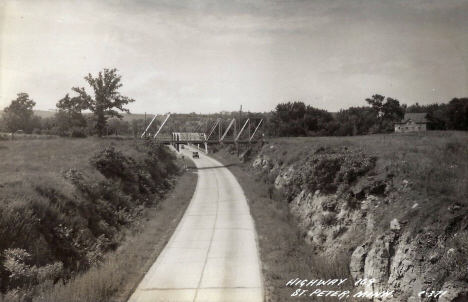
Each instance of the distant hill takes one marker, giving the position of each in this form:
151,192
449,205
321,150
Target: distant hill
126,117
40,113
136,116
44,114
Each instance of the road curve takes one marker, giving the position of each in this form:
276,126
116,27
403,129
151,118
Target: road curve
213,254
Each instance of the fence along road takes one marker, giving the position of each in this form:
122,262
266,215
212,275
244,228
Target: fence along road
213,254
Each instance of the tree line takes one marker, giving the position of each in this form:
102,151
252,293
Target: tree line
379,116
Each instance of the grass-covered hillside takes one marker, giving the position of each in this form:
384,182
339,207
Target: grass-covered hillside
65,203
434,164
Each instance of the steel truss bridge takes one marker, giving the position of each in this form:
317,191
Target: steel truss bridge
219,133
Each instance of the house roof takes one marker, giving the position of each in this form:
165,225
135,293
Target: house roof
418,118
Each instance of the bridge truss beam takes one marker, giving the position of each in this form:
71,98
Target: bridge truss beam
162,125
227,129
149,125
258,126
243,127
213,128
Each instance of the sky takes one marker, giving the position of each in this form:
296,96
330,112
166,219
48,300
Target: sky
208,56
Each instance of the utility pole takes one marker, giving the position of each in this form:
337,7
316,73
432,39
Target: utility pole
219,128
145,124
263,132
249,128
235,127
240,124
240,116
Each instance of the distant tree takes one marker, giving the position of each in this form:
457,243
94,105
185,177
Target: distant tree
415,108
117,126
48,123
106,98
69,115
388,110
288,119
137,125
19,115
317,121
298,119
356,121
428,108
457,114
62,123
34,125
73,107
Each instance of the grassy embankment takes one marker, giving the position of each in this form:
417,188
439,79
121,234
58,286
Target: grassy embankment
62,219
433,165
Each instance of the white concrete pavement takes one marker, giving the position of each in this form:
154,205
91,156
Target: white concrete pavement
213,254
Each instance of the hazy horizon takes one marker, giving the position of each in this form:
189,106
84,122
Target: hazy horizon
209,56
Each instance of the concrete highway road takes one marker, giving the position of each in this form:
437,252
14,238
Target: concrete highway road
213,254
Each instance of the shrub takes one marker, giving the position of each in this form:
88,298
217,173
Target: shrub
329,204
328,169
214,148
77,132
232,149
328,219
23,273
456,257
112,164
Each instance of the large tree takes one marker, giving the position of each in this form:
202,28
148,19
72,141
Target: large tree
18,116
388,110
106,98
69,114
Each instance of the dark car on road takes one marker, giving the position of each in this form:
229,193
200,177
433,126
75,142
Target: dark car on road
195,155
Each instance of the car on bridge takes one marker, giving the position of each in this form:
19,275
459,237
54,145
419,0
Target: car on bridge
195,155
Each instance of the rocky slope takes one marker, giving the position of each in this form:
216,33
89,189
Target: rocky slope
370,207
